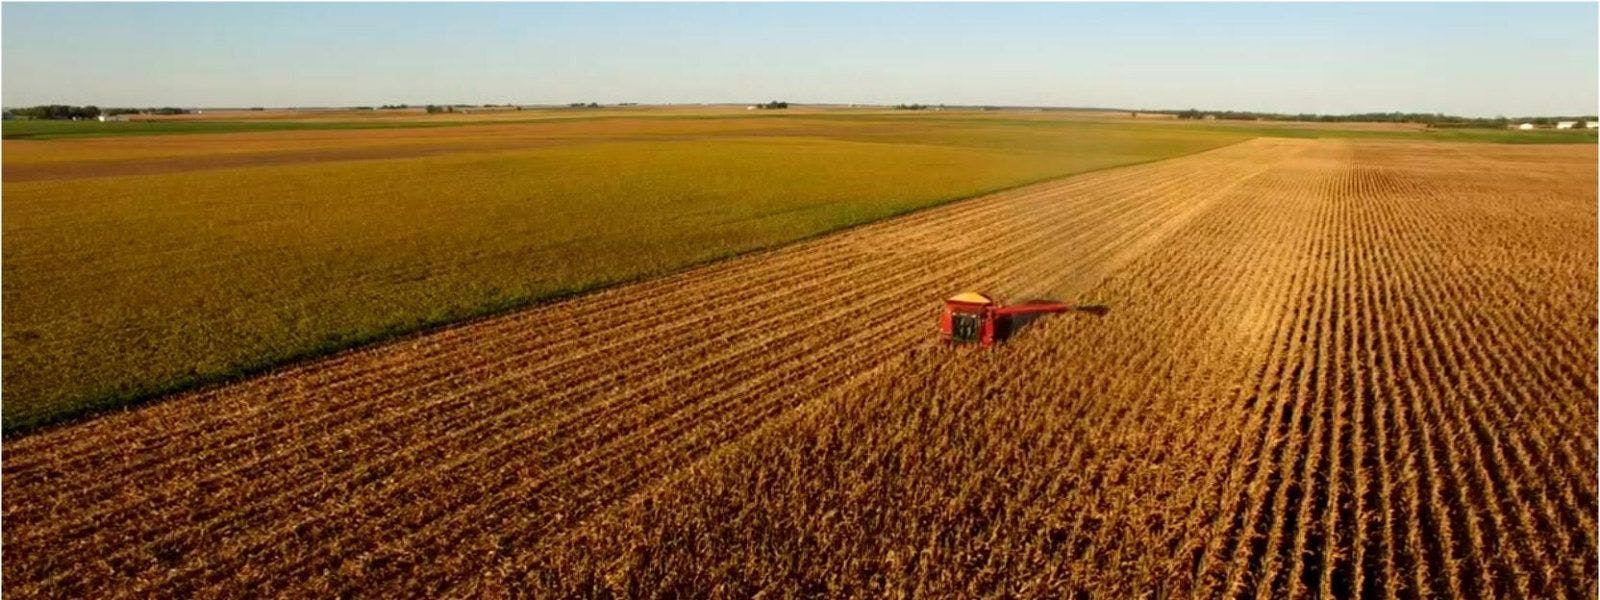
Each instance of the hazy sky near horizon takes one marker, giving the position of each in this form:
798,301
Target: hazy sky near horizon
1468,59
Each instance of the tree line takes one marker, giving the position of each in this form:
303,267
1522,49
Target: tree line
1431,119
63,112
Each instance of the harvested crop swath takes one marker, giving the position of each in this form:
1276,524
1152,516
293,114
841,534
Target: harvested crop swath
1329,368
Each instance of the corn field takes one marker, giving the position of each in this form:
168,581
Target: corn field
1325,368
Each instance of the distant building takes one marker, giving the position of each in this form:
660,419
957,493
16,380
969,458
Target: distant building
105,117
1525,126
1565,124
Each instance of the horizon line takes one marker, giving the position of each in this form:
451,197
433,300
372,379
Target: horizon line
802,103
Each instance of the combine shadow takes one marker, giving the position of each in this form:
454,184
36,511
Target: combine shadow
1098,310
1010,326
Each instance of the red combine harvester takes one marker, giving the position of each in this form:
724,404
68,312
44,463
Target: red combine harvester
975,318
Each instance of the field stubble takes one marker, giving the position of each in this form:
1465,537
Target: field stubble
1329,368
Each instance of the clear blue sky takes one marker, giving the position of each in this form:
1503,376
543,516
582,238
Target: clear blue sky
1469,59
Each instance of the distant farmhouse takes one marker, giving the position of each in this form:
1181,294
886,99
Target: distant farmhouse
1556,125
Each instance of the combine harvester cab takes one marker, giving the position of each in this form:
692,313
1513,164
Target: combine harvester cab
973,318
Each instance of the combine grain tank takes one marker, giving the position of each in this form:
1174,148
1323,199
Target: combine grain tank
973,318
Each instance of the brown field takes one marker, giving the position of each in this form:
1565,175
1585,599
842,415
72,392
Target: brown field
1329,367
